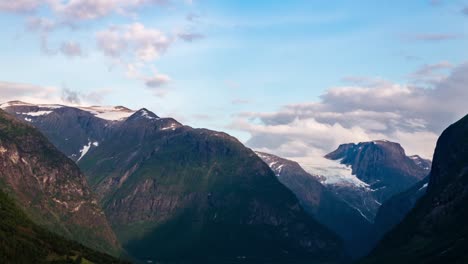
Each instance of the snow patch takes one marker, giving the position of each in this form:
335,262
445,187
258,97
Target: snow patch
146,115
423,187
110,113
271,164
332,172
37,113
172,126
279,169
86,148
380,141
275,164
12,103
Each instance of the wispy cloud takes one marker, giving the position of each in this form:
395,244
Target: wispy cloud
431,73
71,49
432,37
133,46
435,2
157,80
190,36
465,11
78,10
142,43
240,101
32,93
20,6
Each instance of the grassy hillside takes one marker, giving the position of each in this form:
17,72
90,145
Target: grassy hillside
22,241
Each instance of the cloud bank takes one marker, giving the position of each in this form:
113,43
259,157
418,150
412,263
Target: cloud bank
369,109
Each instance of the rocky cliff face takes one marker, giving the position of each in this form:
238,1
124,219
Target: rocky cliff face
435,231
324,205
383,165
50,187
174,193
366,174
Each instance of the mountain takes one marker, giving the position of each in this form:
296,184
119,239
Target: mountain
324,205
49,187
383,165
22,241
83,127
394,210
368,173
175,194
435,230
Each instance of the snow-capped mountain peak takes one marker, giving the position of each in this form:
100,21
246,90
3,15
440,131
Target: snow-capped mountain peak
111,113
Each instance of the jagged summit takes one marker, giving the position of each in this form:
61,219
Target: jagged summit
143,113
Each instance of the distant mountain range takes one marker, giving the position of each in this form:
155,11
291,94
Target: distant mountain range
174,193
347,187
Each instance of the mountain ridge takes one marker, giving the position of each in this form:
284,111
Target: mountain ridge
193,193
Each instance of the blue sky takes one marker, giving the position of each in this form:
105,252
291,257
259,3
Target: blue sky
225,60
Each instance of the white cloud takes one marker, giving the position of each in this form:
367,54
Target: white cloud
137,47
431,73
71,49
133,45
11,91
157,80
78,10
413,116
144,44
19,5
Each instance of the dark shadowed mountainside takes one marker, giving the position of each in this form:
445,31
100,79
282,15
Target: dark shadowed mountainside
325,206
435,231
